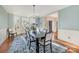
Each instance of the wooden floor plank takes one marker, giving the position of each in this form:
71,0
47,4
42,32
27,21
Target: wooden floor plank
5,45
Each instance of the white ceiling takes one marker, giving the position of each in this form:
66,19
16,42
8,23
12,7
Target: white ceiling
27,10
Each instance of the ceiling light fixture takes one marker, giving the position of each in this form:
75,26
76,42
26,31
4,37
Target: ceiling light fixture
33,14
33,10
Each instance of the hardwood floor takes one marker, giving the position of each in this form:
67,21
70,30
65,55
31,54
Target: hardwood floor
5,45
69,45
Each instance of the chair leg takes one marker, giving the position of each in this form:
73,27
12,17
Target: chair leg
51,46
44,45
30,45
44,48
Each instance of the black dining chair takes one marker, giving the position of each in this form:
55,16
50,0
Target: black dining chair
32,39
45,41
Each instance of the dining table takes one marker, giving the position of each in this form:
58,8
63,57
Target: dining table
38,36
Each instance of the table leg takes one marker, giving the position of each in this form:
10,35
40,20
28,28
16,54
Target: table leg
37,45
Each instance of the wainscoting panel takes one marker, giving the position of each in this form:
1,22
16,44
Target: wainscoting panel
2,35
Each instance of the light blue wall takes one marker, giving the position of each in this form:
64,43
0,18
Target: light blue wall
69,18
10,20
3,18
3,24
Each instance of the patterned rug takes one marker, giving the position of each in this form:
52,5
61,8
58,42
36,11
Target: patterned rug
21,45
